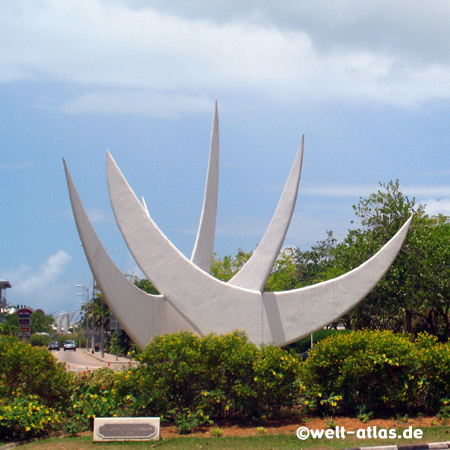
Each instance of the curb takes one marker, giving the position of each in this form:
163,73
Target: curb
436,445
124,363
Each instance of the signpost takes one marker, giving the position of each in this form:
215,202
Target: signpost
24,321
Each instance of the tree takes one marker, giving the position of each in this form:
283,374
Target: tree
431,302
284,273
143,284
317,264
224,269
41,322
12,324
413,288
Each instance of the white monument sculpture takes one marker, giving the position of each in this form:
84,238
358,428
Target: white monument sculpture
192,299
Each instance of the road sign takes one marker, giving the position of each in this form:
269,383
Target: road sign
25,321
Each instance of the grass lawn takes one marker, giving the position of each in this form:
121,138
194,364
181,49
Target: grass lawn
280,441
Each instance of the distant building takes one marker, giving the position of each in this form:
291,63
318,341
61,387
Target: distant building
3,285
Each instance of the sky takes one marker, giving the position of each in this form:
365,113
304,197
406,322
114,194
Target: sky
368,83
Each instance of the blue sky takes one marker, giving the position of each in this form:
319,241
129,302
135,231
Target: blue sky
368,83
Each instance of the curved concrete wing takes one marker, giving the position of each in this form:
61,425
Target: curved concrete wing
254,273
204,243
294,314
214,306
196,295
141,315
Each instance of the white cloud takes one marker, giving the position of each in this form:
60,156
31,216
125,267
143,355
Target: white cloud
422,191
339,190
138,102
361,190
39,287
436,207
16,166
96,215
111,46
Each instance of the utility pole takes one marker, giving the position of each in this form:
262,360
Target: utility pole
93,317
102,331
86,289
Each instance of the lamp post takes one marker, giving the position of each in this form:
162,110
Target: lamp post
85,317
86,293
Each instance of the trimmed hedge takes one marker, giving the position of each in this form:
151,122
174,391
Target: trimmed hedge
33,371
376,371
195,380
34,387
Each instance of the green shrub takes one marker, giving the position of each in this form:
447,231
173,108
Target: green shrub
431,381
193,380
304,344
39,340
366,372
362,370
93,395
25,416
32,371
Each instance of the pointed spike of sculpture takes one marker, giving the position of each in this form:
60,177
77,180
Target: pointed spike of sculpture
297,313
115,296
201,297
195,300
204,243
141,315
254,273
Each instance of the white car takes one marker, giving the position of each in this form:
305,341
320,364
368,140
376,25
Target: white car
70,345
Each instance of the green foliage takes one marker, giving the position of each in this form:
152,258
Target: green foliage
216,432
143,284
304,344
41,323
317,264
93,395
283,276
414,294
194,380
346,372
224,269
32,371
119,343
12,325
39,340
376,371
432,379
25,416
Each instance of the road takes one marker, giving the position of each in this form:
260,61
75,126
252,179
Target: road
80,360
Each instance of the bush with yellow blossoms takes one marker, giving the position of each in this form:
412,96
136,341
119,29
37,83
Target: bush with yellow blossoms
25,416
32,370
192,380
93,395
376,372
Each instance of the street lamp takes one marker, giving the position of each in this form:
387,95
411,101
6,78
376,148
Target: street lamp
85,318
86,294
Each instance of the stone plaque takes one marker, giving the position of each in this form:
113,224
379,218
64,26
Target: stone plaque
126,428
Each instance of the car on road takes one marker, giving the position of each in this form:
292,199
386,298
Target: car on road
70,345
53,346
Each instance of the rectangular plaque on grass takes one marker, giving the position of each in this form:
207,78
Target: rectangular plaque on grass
126,429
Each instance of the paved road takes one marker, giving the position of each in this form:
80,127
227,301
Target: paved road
81,360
